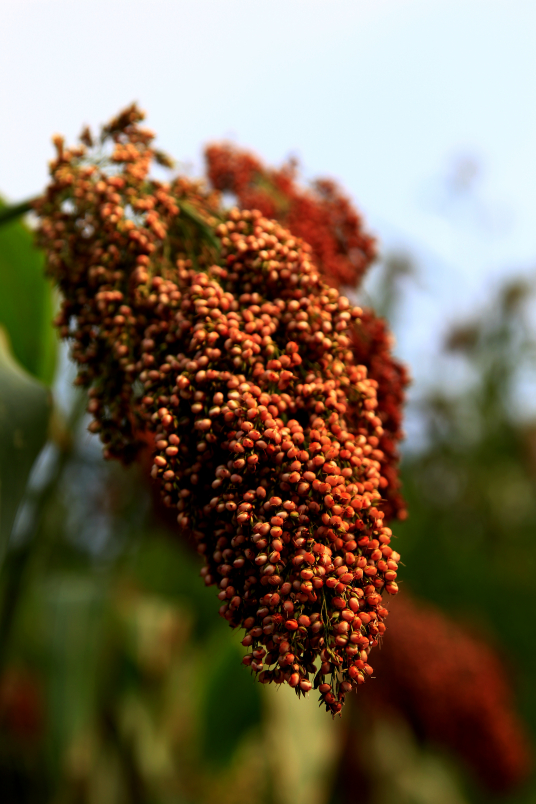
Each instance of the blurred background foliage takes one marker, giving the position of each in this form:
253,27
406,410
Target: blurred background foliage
120,683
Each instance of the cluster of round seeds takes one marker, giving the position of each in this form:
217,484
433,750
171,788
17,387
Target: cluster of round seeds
325,218
371,346
321,215
101,221
240,361
266,443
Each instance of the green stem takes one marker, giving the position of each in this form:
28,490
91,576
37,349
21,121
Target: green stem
14,211
18,560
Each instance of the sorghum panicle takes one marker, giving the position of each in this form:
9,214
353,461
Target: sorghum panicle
241,361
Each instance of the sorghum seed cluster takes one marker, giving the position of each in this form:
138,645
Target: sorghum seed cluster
106,228
321,215
371,346
239,359
324,217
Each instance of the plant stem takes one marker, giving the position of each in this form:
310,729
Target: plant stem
19,558
14,211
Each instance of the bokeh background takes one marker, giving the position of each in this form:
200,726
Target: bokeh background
118,681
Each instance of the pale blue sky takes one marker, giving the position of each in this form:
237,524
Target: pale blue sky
385,95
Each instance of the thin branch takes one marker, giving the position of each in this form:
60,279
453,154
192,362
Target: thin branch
14,211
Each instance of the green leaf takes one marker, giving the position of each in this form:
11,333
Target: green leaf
72,622
25,407
26,301
232,703
303,745
170,569
205,230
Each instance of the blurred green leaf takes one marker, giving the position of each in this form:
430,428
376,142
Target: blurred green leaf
230,697
232,704
171,569
26,301
74,608
303,746
25,407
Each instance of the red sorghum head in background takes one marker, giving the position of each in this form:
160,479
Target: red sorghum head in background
216,333
22,706
453,689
